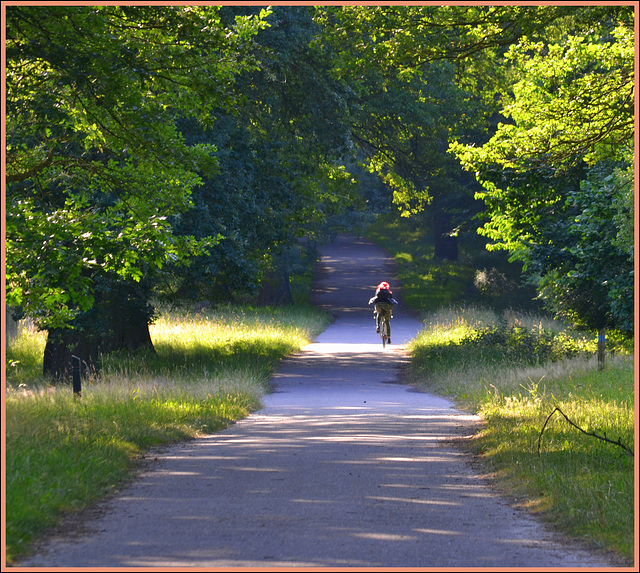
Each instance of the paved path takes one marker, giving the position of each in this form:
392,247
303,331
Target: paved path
343,467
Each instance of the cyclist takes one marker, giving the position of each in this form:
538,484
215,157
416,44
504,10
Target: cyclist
383,302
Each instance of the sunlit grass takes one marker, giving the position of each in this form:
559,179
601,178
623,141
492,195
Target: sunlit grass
64,452
581,484
196,345
450,349
24,358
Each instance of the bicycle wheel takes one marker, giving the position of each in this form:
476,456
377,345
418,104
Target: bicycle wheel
384,331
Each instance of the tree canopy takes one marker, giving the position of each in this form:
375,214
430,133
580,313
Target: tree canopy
95,162
557,173
200,151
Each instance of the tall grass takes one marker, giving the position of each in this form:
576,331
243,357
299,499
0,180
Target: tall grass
461,342
24,358
582,484
63,453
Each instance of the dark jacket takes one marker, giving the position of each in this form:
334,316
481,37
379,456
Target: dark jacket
383,295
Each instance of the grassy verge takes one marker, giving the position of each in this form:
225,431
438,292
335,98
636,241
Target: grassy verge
513,369
62,453
581,484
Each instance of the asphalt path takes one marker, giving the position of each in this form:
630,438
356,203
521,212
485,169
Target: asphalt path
343,467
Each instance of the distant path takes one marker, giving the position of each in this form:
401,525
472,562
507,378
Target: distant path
343,467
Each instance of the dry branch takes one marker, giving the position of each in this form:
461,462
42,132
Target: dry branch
604,438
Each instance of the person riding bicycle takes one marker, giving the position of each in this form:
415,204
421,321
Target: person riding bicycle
383,302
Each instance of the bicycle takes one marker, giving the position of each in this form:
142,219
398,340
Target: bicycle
384,329
384,326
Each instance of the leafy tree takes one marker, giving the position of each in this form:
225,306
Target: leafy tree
95,162
588,278
404,127
406,108
297,112
401,40
280,177
555,172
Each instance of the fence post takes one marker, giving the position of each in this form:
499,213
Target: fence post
601,346
77,385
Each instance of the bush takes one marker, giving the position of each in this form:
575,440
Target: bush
517,343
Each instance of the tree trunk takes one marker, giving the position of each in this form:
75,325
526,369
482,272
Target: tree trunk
118,320
61,345
127,334
89,343
446,244
275,289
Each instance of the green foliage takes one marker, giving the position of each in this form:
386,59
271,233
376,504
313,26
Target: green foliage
510,342
278,178
555,174
519,345
401,116
571,100
95,164
590,281
406,37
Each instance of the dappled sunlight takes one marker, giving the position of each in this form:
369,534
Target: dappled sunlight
384,536
409,500
438,531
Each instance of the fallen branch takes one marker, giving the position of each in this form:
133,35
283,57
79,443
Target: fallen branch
603,438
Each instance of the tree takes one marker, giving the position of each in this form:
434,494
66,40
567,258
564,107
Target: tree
404,127
555,174
405,109
297,113
279,176
585,270
95,163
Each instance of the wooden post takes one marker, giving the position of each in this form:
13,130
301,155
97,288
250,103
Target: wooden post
77,385
601,346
